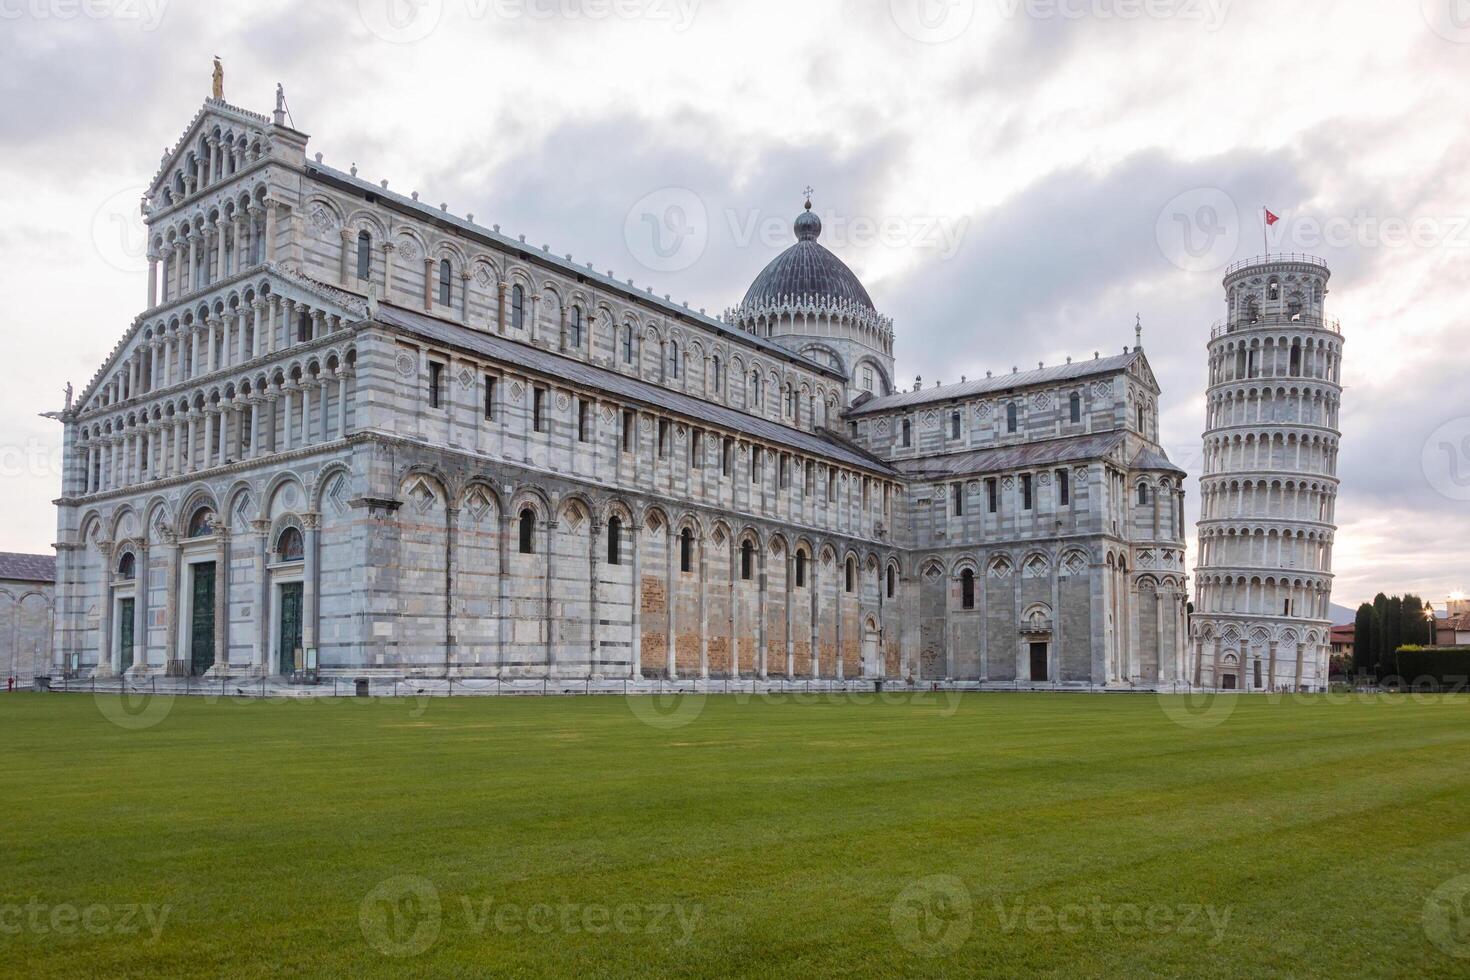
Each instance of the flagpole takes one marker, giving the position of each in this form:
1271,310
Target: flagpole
1265,239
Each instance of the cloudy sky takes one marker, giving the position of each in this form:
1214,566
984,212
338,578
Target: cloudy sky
1014,180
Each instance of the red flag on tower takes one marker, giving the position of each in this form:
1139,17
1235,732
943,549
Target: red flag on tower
1271,219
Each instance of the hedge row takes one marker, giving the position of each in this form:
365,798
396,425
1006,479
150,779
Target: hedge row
1419,666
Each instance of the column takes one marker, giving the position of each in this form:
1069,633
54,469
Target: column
221,596
502,551
270,230
343,265
762,668
171,640
703,609
105,665
669,599
152,279
428,284
311,522
635,667
140,608
593,548
290,397
549,574
790,582
211,442
342,376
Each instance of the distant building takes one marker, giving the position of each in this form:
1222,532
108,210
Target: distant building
1342,640
27,597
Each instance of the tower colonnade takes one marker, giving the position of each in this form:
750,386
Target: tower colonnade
1268,488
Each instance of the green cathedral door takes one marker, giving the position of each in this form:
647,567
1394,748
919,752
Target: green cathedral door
124,634
201,639
290,638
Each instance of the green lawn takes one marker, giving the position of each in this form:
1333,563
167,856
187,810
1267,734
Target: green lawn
1006,834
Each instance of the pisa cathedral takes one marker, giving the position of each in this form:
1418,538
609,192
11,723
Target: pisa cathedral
355,435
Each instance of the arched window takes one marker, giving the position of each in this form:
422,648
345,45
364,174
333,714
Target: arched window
517,307
528,531
908,433
715,362
1012,417
446,273
849,575
1140,420
800,569
755,390
1143,493
686,550
673,360
954,425
967,589
790,403
614,540
127,568
892,581
627,343
1074,406
289,545
747,560
200,523
574,329
364,255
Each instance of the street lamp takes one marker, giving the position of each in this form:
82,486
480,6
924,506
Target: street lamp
1429,615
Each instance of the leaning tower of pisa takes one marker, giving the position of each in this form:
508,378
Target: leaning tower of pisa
1268,488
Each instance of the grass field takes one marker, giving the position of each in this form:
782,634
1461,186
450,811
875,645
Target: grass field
1004,834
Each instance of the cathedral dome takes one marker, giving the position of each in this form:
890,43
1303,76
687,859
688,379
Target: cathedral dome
807,271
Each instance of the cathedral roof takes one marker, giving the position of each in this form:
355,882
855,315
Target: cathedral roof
1004,382
807,272
543,256
27,568
632,390
1049,453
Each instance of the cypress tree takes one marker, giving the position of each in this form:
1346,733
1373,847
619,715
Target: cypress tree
1393,626
1380,633
1414,630
1363,639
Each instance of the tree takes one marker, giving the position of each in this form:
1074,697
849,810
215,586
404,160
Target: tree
1365,639
1414,622
1381,649
1393,627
